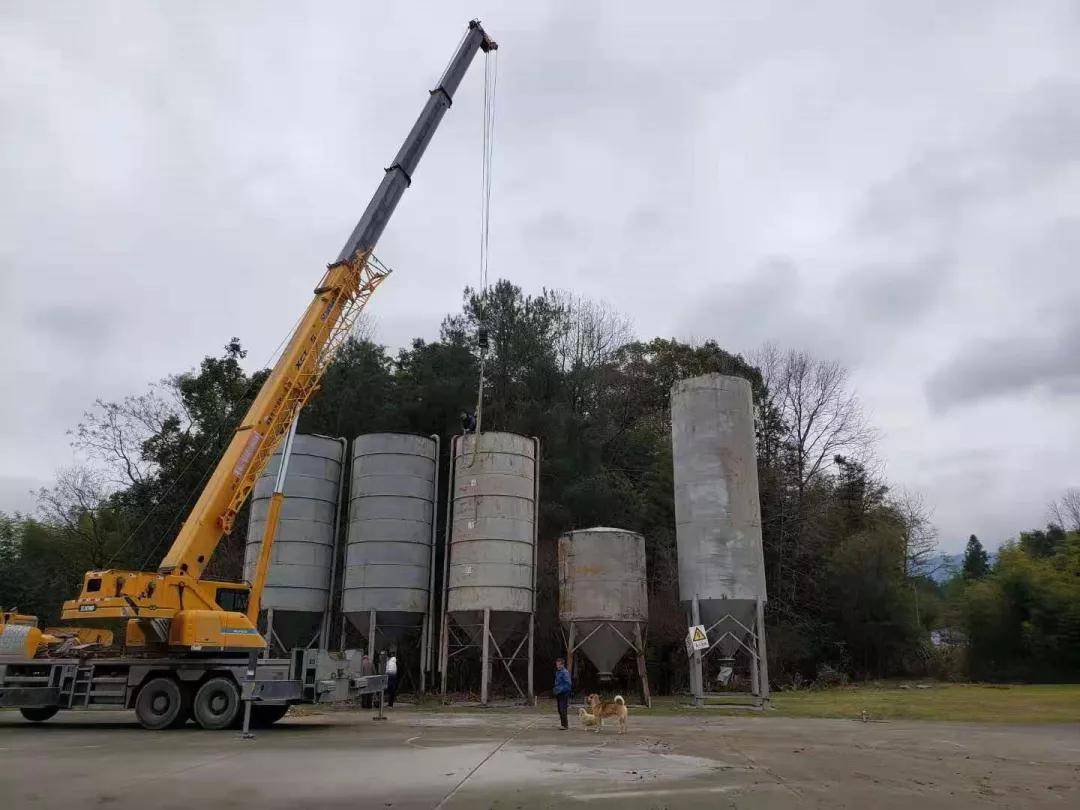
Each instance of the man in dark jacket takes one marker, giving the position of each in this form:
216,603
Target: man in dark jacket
562,691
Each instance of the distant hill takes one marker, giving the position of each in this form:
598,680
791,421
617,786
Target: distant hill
943,566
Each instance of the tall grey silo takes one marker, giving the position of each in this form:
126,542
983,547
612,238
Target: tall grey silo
298,581
603,598
718,521
387,587
489,573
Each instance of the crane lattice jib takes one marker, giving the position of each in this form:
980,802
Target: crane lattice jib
328,320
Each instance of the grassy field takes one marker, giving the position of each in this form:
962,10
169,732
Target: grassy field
976,703
982,703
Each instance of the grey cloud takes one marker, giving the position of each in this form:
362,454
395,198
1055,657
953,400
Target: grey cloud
895,293
74,325
1039,137
999,366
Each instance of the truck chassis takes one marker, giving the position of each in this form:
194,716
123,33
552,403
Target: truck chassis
167,691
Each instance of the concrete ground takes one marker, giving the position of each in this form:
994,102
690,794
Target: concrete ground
418,759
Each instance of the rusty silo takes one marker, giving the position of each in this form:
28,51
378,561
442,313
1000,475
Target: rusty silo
490,568
298,581
603,598
387,587
718,522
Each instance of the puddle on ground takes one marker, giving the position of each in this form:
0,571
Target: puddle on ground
610,764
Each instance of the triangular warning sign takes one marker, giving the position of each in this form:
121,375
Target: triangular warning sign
699,634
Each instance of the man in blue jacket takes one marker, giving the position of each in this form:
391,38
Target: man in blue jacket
562,691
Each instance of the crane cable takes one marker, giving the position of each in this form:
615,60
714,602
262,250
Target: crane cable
491,76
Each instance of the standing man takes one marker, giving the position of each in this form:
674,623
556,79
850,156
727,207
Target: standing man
366,668
562,691
391,680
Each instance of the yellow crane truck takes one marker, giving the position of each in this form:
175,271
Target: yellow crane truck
190,646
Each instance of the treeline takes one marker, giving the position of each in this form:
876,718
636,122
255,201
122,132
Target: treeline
848,560
1019,617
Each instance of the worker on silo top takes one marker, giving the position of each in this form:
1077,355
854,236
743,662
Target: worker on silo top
468,423
391,679
562,691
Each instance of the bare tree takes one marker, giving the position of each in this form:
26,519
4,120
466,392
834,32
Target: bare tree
918,532
115,432
593,332
822,417
1065,511
76,504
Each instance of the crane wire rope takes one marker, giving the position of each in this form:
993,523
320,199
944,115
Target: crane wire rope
491,78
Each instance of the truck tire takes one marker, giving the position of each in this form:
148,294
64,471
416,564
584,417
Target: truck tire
39,714
217,704
162,703
266,716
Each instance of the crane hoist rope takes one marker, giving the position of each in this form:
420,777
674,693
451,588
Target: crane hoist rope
491,78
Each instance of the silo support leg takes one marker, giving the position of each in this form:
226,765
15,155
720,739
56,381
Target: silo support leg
643,674
444,649
269,632
485,658
697,688
570,650
763,658
532,624
371,636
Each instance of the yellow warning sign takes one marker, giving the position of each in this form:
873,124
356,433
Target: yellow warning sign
697,637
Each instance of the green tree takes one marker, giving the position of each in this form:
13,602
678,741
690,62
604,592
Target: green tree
976,561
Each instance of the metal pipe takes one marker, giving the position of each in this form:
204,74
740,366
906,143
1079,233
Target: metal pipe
446,560
428,635
536,536
324,631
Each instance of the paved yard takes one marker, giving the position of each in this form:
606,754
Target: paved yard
520,760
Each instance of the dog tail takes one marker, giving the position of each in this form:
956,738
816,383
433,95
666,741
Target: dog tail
618,699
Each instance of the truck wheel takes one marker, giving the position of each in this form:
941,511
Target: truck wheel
266,716
161,704
39,714
217,704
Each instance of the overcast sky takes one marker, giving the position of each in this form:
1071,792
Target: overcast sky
896,185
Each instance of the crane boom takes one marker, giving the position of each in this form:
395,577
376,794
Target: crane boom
347,283
175,606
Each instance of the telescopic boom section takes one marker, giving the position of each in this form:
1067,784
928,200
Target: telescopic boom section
339,298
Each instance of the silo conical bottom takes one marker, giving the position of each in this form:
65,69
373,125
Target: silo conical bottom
294,628
502,624
605,648
741,611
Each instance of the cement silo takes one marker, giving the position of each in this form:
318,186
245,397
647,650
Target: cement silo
603,599
718,522
299,579
490,570
387,587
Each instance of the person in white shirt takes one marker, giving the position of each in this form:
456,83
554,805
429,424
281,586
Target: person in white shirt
391,681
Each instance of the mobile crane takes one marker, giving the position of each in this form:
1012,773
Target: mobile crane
189,642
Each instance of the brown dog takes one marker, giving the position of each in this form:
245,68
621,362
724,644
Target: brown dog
608,708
